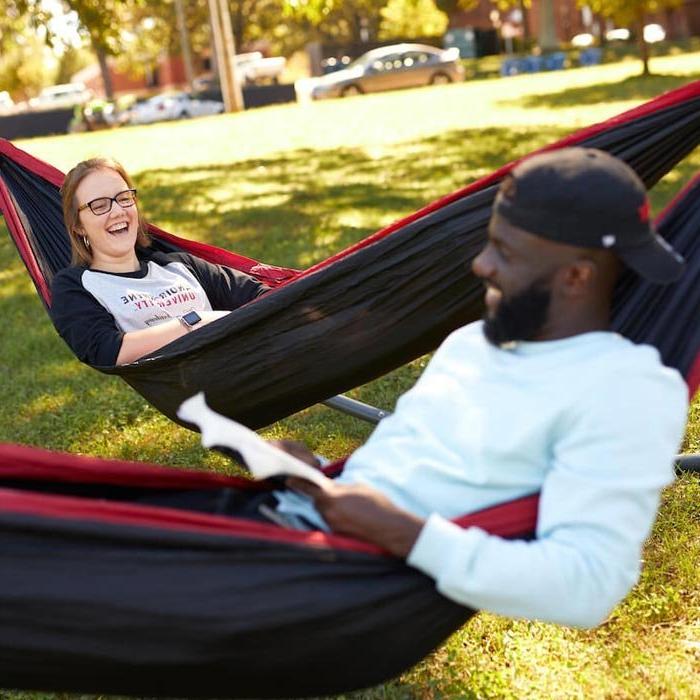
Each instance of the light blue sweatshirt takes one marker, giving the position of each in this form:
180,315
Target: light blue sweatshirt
591,421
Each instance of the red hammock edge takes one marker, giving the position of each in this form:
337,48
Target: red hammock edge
513,518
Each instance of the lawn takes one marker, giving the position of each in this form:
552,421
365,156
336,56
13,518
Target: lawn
292,184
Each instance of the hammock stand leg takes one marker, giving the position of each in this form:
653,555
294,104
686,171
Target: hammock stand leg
688,463
356,409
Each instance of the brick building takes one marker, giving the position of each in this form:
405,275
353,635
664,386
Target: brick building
570,19
168,73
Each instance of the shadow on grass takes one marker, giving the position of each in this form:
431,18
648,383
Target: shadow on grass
298,208
637,87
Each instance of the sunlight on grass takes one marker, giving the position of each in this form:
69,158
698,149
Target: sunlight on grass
46,403
382,119
291,185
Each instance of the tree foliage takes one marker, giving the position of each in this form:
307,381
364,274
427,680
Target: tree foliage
25,57
347,21
449,7
626,12
26,67
71,61
19,17
412,18
632,13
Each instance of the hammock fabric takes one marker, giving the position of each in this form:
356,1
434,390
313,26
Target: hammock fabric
363,312
104,591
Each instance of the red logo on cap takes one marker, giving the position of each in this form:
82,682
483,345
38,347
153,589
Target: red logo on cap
644,212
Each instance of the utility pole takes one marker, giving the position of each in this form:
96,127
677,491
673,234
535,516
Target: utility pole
184,43
225,49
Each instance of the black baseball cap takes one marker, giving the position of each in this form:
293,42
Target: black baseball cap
586,197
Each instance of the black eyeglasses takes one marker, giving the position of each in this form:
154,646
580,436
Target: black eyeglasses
103,205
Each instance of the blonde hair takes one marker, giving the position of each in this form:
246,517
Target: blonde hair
81,253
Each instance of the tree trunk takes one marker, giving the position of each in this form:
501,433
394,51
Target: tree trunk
602,25
104,71
184,43
548,32
238,22
524,13
643,46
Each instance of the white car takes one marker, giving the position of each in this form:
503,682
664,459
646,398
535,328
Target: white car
66,95
251,69
255,68
6,102
173,106
653,33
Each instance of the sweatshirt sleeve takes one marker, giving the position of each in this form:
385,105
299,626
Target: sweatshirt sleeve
84,324
226,288
597,506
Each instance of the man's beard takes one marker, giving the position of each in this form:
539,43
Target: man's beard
520,317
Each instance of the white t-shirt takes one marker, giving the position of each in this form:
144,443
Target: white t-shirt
592,422
161,294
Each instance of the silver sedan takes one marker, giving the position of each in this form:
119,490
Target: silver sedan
390,68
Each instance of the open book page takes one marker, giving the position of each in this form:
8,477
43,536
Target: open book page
263,459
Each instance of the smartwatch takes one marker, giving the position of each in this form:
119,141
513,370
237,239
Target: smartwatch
189,320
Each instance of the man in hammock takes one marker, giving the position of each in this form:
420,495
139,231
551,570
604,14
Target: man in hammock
538,397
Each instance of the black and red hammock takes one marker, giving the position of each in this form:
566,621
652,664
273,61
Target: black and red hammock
129,579
370,308
122,578
119,578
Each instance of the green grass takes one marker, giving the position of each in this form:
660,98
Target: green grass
291,185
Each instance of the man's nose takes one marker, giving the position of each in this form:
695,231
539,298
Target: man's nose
482,265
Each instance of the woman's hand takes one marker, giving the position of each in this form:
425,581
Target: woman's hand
209,316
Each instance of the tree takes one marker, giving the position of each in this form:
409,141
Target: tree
547,31
524,7
356,21
105,22
71,60
449,7
26,62
412,18
26,67
634,13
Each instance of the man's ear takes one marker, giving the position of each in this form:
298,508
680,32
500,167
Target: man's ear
578,277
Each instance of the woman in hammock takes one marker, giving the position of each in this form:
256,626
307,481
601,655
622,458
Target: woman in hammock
120,300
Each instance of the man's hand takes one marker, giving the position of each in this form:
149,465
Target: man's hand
298,450
360,511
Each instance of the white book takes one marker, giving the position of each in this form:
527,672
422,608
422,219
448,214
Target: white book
263,459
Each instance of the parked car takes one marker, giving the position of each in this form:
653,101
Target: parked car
6,102
392,67
55,96
174,106
251,69
333,64
653,33
255,68
583,41
618,34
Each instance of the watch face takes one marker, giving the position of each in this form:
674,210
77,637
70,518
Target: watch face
191,318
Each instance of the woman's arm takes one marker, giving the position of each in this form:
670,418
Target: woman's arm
225,287
136,344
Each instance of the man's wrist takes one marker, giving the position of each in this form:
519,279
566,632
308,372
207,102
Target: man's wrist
400,536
